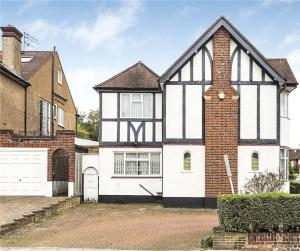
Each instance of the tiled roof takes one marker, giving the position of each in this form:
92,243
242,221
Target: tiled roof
282,66
38,59
138,76
294,154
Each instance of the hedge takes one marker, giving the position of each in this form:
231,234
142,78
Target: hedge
269,212
294,187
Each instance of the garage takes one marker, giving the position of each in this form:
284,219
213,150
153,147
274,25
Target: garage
23,171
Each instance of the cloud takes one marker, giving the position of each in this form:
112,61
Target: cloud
108,28
29,4
293,37
187,10
253,10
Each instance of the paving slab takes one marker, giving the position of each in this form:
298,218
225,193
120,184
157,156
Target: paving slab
14,207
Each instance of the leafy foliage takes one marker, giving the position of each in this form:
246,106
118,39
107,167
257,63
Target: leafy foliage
269,212
88,125
295,187
264,183
293,173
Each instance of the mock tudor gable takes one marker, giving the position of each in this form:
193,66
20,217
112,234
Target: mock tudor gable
167,137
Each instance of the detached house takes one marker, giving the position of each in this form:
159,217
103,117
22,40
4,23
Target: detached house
31,83
167,135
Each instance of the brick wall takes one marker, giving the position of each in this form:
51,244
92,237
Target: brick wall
63,140
221,120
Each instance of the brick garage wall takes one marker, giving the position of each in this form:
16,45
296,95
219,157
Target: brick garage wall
221,120
63,140
278,241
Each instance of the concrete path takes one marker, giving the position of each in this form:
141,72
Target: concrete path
14,207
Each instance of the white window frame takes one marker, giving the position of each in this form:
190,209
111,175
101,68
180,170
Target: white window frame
284,170
131,100
45,114
137,159
284,104
59,77
60,116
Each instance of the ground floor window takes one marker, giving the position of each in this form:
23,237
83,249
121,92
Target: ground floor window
283,164
136,163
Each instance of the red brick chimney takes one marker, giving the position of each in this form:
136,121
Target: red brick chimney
11,48
221,120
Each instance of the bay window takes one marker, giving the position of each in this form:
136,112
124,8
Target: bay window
136,105
283,164
284,107
137,163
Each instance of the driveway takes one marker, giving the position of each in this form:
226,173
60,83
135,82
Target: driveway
119,226
14,207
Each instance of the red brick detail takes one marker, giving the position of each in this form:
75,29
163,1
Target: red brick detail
221,120
63,140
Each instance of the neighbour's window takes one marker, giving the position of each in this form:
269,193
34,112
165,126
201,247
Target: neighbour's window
134,163
254,162
45,114
283,164
59,77
284,106
187,161
136,105
60,117
54,111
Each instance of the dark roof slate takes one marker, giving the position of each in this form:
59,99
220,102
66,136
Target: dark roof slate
138,76
282,66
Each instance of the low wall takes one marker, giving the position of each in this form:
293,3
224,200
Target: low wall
229,241
278,241
40,215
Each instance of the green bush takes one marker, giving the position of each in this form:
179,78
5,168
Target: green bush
269,212
295,187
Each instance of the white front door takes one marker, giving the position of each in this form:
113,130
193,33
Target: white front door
23,171
90,184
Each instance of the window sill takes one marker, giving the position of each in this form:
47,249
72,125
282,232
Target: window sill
136,177
254,171
61,126
285,117
186,172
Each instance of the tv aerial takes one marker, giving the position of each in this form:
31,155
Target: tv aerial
29,41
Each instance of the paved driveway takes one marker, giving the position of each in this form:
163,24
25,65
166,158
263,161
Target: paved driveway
14,207
134,226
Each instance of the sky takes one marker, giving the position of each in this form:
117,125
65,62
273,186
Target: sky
97,39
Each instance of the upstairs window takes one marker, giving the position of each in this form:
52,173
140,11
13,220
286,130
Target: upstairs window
187,161
254,162
60,117
59,77
284,106
136,105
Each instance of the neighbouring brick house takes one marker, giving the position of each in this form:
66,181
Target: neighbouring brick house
31,83
294,157
167,135
37,122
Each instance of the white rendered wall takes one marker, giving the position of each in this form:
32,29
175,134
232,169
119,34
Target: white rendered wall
109,105
268,111
193,111
257,73
112,185
176,181
284,131
197,66
158,105
248,112
268,161
207,68
109,131
90,160
158,131
186,72
245,62
173,111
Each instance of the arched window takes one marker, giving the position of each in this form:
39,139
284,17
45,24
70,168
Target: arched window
187,161
254,162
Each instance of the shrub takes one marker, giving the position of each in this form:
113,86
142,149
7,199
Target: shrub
269,212
264,183
295,187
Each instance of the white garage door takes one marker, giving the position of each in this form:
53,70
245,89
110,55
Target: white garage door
23,171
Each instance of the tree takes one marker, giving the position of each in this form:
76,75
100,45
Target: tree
264,183
88,125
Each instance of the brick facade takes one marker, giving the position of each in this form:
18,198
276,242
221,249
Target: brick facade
63,140
221,120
